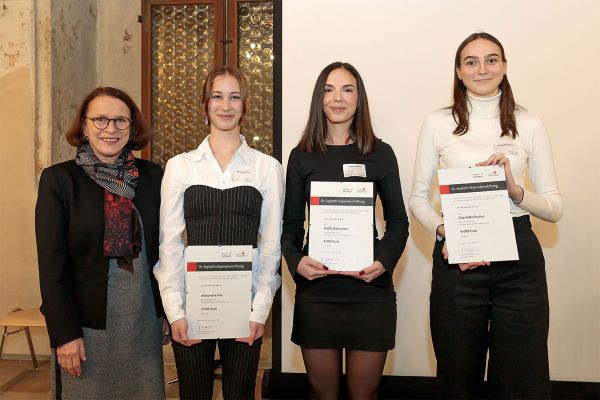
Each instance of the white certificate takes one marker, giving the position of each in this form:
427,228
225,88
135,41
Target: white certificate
341,224
477,218
218,283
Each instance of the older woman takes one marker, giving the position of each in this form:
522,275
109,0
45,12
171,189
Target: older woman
96,223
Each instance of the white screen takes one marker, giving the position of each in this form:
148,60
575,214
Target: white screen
404,51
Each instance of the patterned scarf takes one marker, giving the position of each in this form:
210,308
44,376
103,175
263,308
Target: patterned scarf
122,229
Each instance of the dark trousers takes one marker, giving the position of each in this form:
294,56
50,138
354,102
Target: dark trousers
195,368
502,308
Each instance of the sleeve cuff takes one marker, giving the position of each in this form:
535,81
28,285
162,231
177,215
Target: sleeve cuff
261,305
386,264
173,305
292,261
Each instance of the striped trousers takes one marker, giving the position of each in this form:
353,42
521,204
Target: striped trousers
195,368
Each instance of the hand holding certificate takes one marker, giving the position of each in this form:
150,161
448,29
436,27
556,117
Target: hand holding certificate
477,218
341,224
218,283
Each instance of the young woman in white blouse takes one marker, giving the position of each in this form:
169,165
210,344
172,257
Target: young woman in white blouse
499,306
222,193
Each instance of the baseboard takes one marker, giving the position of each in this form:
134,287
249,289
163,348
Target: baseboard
295,386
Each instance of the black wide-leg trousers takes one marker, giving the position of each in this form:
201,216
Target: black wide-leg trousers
195,368
503,308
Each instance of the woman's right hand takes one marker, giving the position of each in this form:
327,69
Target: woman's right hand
312,269
70,355
179,334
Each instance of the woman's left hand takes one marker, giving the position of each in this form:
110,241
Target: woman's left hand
367,274
256,331
515,192
464,266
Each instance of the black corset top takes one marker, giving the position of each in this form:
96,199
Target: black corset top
222,217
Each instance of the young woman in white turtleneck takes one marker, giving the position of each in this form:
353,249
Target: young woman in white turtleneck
500,306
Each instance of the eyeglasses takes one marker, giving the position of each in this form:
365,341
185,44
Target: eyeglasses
121,123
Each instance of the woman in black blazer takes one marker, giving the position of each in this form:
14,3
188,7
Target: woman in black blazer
96,223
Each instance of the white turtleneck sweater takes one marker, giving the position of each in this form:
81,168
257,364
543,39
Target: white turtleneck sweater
439,148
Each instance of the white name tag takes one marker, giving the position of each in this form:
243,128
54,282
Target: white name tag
243,175
506,149
355,170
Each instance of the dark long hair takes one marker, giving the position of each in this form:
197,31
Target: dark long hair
139,132
460,111
315,132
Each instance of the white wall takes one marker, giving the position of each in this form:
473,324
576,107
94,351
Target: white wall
404,51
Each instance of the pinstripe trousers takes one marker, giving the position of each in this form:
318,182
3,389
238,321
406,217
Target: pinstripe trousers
195,368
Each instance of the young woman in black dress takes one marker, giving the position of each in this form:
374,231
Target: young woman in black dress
336,310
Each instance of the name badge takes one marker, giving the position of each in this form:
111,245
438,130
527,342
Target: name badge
243,175
355,170
506,149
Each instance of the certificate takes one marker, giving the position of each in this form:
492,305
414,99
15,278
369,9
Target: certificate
218,283
477,218
341,224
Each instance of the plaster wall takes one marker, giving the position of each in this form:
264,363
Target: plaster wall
19,285
73,66
52,53
119,47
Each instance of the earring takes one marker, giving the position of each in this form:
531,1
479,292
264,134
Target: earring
205,120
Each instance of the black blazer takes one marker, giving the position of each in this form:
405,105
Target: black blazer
69,230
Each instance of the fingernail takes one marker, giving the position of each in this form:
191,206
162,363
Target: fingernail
325,268
361,272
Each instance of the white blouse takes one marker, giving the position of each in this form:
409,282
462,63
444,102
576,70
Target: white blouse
248,167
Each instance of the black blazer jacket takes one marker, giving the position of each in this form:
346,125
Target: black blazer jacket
69,230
